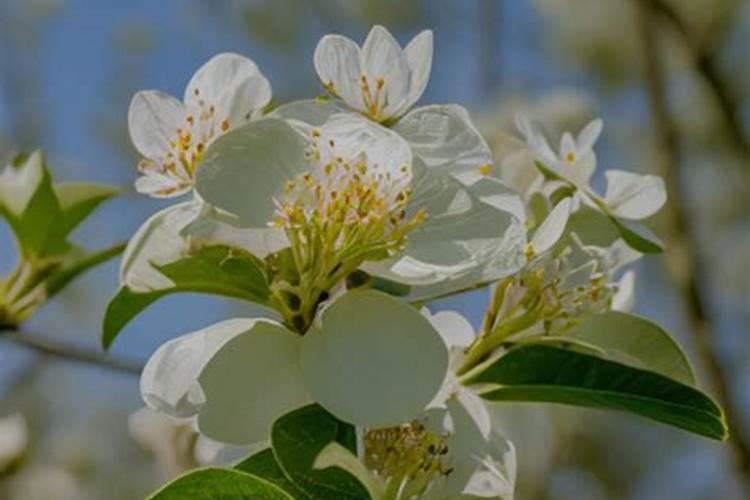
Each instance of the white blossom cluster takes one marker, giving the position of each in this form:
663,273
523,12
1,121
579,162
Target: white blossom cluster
321,210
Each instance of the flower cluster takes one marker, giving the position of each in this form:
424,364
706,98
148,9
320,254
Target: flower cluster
339,215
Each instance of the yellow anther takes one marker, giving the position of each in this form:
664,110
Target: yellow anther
529,251
224,125
485,169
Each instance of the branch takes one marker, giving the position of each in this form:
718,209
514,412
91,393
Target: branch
705,63
71,353
689,273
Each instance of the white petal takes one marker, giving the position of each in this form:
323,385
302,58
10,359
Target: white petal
153,120
490,460
251,381
552,228
246,168
386,151
337,62
463,241
418,56
169,382
482,465
624,298
221,229
588,136
455,330
584,168
314,112
233,84
372,360
444,138
567,146
633,196
18,185
523,125
162,186
475,408
381,57
158,241
494,476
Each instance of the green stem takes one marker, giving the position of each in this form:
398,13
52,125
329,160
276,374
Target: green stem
488,343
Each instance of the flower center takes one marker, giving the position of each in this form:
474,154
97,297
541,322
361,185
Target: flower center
570,157
190,141
374,96
341,213
408,456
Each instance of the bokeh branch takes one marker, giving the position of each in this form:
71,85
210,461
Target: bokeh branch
703,57
686,266
48,347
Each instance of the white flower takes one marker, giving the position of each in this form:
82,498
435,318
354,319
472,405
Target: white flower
426,226
14,439
575,159
173,136
380,79
368,359
628,196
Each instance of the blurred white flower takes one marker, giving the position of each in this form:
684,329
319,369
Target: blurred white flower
45,482
14,439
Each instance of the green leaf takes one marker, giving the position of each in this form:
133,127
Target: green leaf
263,464
61,277
593,227
335,455
635,341
298,438
29,204
77,201
122,308
556,375
220,484
219,270
638,236
43,214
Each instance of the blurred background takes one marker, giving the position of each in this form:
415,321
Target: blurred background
670,78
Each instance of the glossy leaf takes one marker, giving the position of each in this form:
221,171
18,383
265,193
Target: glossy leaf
557,375
219,270
635,341
264,464
299,437
220,484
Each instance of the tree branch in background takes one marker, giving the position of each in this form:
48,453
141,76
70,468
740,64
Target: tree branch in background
70,353
705,63
683,258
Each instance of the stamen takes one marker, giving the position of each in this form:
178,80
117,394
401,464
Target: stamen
339,214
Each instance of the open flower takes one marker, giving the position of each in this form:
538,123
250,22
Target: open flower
575,159
380,79
628,195
348,192
368,359
173,136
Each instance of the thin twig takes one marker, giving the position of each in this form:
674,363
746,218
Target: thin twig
71,353
689,272
705,63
